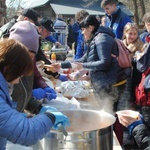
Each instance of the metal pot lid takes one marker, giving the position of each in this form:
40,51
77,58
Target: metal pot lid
88,120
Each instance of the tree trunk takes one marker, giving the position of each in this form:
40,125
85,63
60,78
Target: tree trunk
142,7
3,19
136,16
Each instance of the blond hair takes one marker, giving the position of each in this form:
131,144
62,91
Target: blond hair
146,18
137,44
129,26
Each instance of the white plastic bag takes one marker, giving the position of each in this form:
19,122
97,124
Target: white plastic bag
63,103
77,89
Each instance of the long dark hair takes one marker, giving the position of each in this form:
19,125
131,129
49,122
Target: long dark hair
15,60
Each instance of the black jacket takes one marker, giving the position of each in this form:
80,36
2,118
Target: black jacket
71,36
141,132
22,95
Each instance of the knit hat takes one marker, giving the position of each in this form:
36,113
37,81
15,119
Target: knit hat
31,14
26,33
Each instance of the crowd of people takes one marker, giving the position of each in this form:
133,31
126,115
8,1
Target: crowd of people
22,85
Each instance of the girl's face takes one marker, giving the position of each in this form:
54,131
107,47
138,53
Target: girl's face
87,32
131,35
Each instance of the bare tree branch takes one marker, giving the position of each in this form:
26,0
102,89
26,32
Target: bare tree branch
89,3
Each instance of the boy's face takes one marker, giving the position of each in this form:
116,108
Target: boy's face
43,32
109,9
147,25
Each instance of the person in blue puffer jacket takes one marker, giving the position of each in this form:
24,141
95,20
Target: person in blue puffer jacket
15,62
117,18
107,77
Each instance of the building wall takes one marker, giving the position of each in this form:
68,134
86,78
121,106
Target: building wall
47,11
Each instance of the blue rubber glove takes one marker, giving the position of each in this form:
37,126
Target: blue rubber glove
63,78
47,108
49,90
51,96
60,118
38,93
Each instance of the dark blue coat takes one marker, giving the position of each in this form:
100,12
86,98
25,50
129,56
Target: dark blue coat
104,69
76,28
81,46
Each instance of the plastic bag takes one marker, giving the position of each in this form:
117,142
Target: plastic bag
77,89
63,103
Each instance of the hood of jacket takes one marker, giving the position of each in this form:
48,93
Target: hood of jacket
106,30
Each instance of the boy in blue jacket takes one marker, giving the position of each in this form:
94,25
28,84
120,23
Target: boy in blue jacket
117,18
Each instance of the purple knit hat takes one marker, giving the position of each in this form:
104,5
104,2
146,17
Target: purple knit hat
26,33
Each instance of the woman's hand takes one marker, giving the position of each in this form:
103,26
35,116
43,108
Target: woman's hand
50,68
77,66
127,120
126,117
79,75
56,66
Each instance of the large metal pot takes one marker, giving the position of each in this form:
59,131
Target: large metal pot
89,130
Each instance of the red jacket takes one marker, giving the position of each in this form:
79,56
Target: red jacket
142,95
